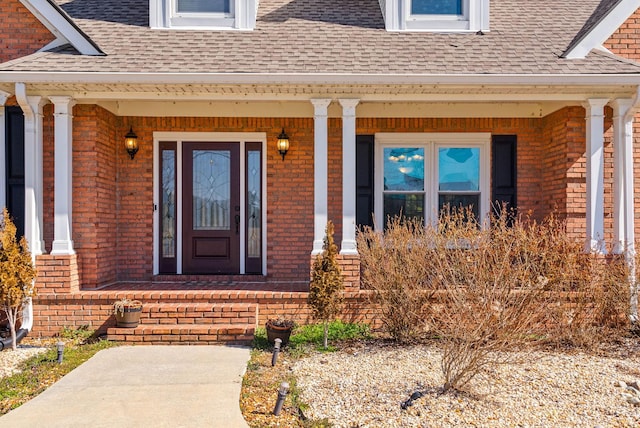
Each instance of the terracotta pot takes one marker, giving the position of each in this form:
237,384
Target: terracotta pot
128,318
276,332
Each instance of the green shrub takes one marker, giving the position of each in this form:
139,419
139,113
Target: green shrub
325,289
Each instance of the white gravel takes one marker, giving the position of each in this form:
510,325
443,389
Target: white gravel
10,359
364,387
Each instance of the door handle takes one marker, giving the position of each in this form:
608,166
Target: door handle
237,224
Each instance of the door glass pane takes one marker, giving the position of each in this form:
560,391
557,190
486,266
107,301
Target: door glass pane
409,205
202,6
404,169
436,7
168,203
254,204
459,169
211,189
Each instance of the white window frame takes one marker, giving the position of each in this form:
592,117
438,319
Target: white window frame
474,18
213,137
431,142
242,16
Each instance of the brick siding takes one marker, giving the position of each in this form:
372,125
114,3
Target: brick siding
625,41
113,195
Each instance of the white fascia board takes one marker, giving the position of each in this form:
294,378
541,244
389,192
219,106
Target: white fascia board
60,26
605,28
322,79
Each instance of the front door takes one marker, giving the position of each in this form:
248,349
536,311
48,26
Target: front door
211,208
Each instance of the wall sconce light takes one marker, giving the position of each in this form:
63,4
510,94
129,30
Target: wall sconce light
283,143
131,143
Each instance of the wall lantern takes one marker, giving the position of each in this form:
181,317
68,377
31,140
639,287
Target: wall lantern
131,143
283,143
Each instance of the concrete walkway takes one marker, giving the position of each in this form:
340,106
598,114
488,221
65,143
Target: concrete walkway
143,386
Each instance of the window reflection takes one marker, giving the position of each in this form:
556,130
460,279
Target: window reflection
202,6
436,7
459,169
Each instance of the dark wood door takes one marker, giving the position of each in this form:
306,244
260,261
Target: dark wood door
211,208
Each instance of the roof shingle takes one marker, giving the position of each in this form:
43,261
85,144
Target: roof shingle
332,37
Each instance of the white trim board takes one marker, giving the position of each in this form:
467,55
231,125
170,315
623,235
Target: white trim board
61,26
603,30
527,80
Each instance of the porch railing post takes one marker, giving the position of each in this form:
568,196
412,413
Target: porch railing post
320,171
348,245
595,175
63,131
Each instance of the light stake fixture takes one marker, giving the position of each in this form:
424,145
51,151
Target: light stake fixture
276,351
131,143
282,394
283,143
60,349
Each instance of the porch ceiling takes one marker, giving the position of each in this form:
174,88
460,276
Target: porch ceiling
365,92
292,100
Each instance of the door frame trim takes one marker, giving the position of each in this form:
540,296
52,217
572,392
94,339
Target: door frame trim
213,137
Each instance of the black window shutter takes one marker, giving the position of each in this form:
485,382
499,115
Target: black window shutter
14,155
504,175
364,180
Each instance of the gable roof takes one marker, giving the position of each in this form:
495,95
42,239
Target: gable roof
330,37
62,26
605,20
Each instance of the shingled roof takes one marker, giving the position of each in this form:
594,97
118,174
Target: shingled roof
332,37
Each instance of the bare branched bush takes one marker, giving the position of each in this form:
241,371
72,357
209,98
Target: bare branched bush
490,284
486,289
588,306
396,272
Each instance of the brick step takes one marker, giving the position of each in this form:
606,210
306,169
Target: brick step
184,334
199,313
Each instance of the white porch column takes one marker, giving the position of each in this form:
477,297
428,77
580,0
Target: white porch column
320,171
595,175
32,110
63,128
3,149
348,245
622,143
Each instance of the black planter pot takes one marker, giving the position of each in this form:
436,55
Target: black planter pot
277,332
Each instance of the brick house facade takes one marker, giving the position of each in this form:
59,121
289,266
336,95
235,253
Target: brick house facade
92,213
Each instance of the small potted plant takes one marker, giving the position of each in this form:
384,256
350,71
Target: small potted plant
127,312
279,328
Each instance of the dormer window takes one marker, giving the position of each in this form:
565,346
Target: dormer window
436,7
203,14
436,15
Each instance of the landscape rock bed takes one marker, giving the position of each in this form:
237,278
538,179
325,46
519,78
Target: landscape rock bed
365,385
10,360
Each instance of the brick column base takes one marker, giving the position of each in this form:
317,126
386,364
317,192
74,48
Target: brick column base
57,274
350,266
